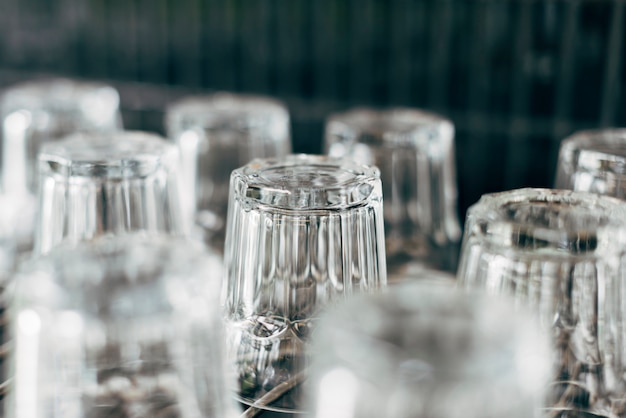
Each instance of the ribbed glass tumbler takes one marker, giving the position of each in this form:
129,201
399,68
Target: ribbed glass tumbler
303,232
426,350
97,184
119,327
414,151
217,134
594,161
561,253
37,112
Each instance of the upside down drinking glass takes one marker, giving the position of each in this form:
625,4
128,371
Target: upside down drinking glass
427,350
215,135
97,184
303,232
121,327
42,111
562,253
414,151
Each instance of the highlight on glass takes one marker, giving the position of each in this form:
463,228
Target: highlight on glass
119,327
216,134
303,232
414,151
560,253
98,184
427,350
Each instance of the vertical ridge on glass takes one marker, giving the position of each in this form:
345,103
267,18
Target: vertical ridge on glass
303,232
96,184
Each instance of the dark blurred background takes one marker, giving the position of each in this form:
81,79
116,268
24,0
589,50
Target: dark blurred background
515,76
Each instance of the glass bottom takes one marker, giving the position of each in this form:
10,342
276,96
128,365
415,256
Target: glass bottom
270,361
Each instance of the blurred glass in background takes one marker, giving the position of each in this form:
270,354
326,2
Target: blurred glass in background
515,77
215,135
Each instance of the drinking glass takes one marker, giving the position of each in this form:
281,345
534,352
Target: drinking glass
427,350
122,326
215,135
37,112
303,231
414,151
561,253
95,184
594,161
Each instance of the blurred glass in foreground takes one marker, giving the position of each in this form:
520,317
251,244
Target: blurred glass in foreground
303,232
97,184
120,327
414,151
428,351
217,134
561,254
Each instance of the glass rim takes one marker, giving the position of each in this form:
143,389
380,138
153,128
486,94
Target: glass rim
595,150
394,126
296,183
119,154
600,219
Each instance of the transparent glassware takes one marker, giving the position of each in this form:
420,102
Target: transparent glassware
414,151
594,161
303,232
427,350
41,111
9,256
560,253
96,184
215,135
119,327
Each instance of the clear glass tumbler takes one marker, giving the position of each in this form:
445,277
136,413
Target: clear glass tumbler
594,161
561,253
96,184
414,151
215,135
37,112
119,327
427,350
303,232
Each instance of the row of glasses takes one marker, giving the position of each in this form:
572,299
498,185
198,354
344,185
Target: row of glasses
32,114
305,232
414,151
302,232
114,315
